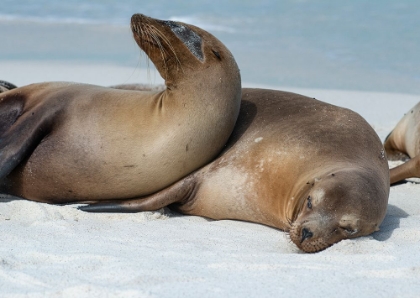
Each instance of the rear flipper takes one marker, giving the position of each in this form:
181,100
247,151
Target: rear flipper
6,86
408,169
179,192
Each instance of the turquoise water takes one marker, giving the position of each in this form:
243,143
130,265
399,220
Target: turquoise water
365,45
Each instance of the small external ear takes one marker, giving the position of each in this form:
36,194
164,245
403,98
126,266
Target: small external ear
377,229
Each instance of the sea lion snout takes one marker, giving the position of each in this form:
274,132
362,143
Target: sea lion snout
306,234
316,232
137,17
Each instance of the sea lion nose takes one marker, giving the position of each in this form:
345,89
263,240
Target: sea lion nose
137,17
306,234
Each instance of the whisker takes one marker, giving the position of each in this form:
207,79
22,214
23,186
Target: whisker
151,38
159,44
144,36
171,48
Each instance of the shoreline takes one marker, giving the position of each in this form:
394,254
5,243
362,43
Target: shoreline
274,62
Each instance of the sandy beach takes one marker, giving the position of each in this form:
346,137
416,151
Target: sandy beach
59,251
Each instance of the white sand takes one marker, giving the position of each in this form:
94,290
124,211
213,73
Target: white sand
54,251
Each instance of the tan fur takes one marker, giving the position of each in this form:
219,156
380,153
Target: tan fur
285,148
404,143
90,143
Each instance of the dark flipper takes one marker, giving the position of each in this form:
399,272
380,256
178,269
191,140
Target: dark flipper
20,131
10,110
176,193
7,85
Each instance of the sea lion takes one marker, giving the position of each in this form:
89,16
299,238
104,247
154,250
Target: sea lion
403,143
312,169
6,86
66,142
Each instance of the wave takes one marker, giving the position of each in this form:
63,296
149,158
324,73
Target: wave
61,20
115,21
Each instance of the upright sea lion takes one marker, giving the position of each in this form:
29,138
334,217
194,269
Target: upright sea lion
66,142
295,163
404,143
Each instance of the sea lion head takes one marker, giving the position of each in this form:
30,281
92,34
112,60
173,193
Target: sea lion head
344,204
177,49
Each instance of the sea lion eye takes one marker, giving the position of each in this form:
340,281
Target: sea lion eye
216,54
309,202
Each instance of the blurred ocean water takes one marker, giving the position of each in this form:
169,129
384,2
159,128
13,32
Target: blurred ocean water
365,45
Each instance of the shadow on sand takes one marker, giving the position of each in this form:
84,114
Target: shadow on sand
5,198
390,223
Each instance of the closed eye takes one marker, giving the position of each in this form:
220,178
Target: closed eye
216,54
309,204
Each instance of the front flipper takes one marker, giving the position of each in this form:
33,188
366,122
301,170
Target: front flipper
20,131
176,193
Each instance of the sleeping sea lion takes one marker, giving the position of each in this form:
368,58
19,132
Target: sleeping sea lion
314,170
